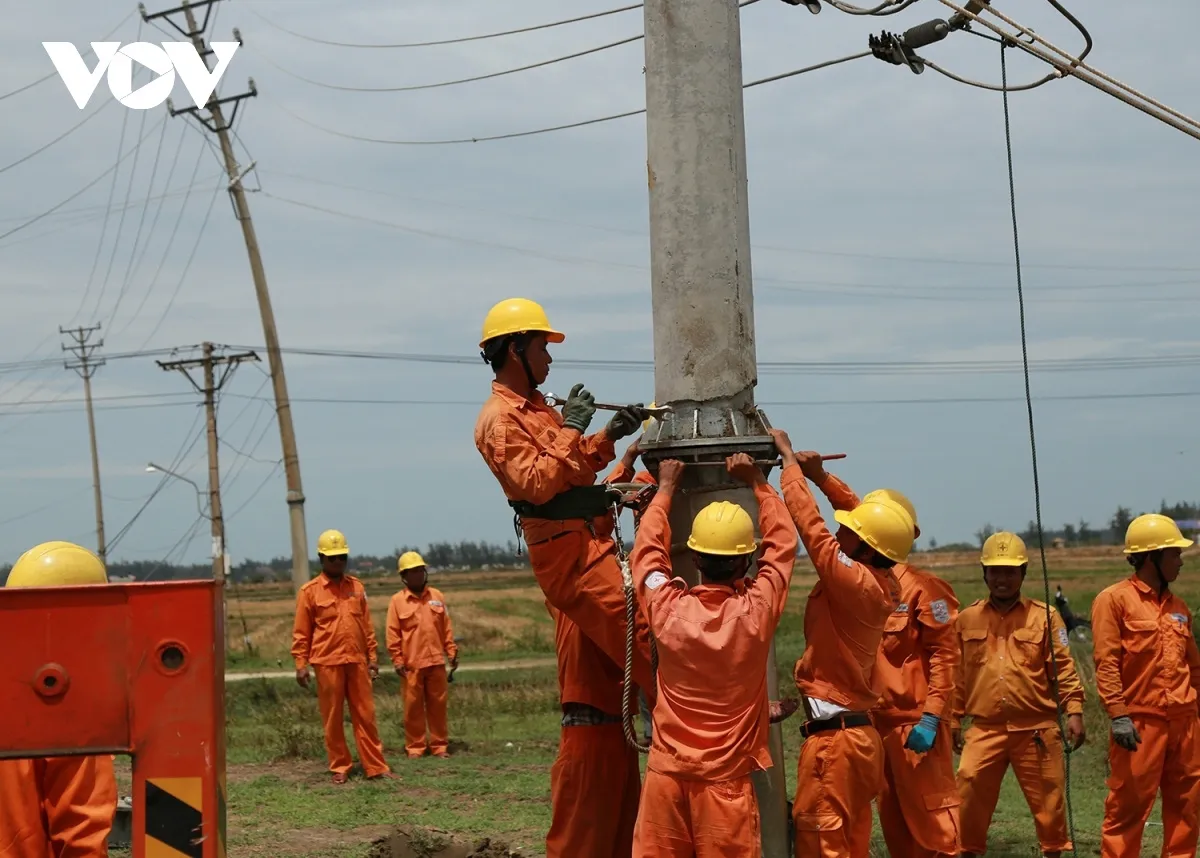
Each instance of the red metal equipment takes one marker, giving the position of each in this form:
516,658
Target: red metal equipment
134,669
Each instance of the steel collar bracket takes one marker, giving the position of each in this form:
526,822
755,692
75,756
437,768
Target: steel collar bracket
703,436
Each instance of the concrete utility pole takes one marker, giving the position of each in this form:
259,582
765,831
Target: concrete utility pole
215,123
704,356
86,366
212,384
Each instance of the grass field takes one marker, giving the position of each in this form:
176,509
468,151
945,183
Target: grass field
504,724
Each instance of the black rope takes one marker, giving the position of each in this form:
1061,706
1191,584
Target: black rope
1037,490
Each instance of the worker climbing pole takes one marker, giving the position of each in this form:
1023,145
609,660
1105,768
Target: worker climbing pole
704,350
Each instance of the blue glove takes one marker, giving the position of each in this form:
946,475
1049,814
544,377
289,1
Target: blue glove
922,736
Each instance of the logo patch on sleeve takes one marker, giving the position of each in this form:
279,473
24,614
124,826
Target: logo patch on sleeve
844,560
1179,618
655,580
1063,638
940,610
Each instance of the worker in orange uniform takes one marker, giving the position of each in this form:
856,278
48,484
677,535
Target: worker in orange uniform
419,640
841,761
1148,676
710,722
916,671
1011,649
57,807
547,469
333,632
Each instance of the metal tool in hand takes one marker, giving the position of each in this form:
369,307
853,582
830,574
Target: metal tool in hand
555,401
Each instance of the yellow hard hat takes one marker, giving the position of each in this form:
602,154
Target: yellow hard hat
57,564
722,528
332,543
516,316
409,560
1003,549
882,524
897,497
1152,532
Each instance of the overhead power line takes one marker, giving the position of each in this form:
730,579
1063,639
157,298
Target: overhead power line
53,74
550,129
454,41
804,251
86,119
473,79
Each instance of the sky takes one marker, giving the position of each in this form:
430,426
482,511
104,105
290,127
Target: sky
880,227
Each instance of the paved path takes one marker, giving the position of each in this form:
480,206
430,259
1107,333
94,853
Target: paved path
463,667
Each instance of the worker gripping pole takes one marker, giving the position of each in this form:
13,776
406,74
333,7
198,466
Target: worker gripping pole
212,385
216,123
704,354
86,365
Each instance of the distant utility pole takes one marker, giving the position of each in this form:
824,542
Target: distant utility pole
86,365
705,364
212,384
215,123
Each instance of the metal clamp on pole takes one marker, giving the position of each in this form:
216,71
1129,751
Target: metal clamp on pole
901,50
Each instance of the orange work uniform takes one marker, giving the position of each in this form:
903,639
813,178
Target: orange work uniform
840,770
595,780
419,639
1148,668
535,458
56,807
711,719
916,671
1006,687
333,632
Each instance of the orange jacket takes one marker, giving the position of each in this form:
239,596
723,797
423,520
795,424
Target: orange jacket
419,633
711,718
846,610
1006,667
585,674
333,624
622,473
1146,657
534,456
56,807
918,660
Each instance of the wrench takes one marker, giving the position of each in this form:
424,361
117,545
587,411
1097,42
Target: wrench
555,401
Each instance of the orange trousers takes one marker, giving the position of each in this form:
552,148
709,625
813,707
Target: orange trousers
349,683
1036,757
56,807
918,806
581,577
594,786
425,694
1168,759
840,773
696,819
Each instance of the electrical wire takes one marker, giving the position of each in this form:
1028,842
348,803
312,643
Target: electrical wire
52,74
86,119
455,41
31,221
547,130
888,7
1037,491
1070,65
445,83
804,251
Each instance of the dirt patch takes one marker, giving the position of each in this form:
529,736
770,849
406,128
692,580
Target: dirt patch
409,841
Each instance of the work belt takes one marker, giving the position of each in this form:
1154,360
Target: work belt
583,715
582,502
837,722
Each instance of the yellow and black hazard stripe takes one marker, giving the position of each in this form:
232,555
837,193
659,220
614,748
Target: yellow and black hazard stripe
174,818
